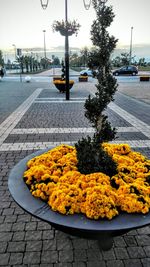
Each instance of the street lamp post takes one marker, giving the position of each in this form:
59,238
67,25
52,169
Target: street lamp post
131,45
15,50
44,4
44,31
67,54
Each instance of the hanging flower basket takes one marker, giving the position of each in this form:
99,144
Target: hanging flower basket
61,84
66,28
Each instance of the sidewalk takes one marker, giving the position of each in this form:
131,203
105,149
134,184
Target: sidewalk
45,119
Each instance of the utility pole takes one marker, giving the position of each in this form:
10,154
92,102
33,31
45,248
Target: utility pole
131,45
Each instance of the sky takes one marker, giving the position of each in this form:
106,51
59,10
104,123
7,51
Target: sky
23,22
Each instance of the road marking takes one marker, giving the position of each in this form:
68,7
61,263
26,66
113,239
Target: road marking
43,145
138,124
66,130
8,125
59,101
59,98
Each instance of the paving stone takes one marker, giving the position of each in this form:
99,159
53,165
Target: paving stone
31,258
8,211
33,235
24,218
93,244
10,218
4,259
145,262
132,263
4,204
46,265
80,243
62,264
107,255
5,236
147,250
3,247
30,226
119,241
94,254
136,252
65,256
5,227
64,244
18,211
96,264
143,240
80,255
49,257
78,264
16,258
34,246
43,226
115,263
18,227
60,235
48,234
16,246
18,236
130,240
121,253
144,230
49,244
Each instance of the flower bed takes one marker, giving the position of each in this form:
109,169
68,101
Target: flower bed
61,84
83,78
144,78
53,177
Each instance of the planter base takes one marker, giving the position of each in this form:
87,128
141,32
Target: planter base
62,87
102,230
83,79
144,78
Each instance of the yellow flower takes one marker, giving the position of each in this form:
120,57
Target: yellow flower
54,177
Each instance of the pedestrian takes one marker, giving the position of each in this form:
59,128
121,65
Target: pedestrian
2,72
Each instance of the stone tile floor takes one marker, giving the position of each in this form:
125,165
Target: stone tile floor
27,241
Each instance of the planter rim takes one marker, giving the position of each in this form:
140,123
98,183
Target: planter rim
41,210
62,82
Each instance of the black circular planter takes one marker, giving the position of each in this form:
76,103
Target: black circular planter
102,230
62,87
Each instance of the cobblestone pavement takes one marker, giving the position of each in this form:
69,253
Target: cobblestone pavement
37,116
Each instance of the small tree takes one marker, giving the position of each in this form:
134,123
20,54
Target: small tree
91,156
1,58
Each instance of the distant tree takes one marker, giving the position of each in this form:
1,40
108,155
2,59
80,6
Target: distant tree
142,62
75,60
117,62
125,59
56,61
27,63
1,58
122,60
84,56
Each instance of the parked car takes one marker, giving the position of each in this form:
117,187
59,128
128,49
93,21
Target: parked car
88,72
130,70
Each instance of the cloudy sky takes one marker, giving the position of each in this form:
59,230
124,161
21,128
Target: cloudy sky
23,22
